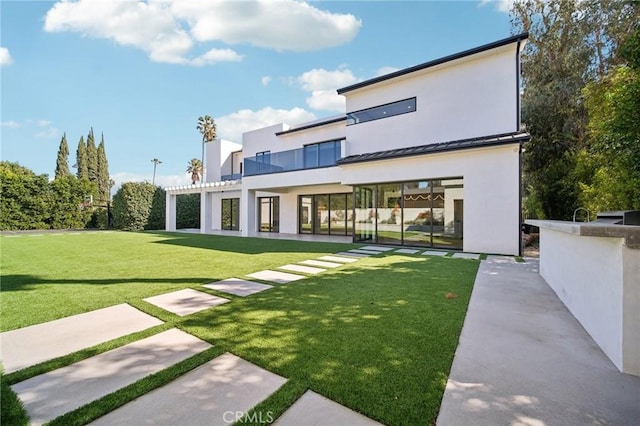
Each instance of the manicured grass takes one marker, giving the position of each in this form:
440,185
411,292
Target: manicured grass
377,336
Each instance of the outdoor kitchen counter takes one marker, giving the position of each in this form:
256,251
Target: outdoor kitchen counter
630,233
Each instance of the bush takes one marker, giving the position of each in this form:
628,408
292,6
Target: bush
132,205
187,211
158,210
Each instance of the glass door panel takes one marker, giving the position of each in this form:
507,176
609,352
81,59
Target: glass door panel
306,215
389,213
417,213
337,214
365,213
321,224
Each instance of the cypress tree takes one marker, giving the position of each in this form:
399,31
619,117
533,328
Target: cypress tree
103,174
81,160
92,158
62,163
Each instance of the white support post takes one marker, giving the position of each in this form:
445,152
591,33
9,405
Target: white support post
170,212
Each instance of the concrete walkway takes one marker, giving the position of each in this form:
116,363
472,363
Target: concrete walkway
523,359
31,345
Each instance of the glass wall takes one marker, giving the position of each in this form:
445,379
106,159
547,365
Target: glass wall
231,213
269,214
426,213
326,214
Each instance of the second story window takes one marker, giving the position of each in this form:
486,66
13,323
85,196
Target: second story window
383,111
321,154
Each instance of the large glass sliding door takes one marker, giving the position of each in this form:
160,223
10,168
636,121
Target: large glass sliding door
269,214
426,213
231,214
326,214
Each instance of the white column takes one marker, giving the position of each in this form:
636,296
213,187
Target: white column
205,222
248,212
170,212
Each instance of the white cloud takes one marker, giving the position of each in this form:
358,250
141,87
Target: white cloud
5,57
266,80
47,132
10,124
168,30
232,126
500,5
282,25
323,86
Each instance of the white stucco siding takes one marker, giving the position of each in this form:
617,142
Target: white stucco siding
260,140
491,190
465,99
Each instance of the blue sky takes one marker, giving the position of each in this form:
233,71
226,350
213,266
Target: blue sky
141,72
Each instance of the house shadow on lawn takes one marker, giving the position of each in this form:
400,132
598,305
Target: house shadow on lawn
24,281
250,245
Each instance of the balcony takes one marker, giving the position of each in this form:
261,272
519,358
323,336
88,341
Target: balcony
234,176
314,156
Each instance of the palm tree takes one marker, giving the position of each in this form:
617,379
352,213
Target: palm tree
207,127
195,168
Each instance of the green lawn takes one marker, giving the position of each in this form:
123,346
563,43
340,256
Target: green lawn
377,336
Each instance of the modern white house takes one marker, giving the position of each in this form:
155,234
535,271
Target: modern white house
427,156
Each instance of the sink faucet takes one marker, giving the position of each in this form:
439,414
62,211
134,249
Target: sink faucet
577,210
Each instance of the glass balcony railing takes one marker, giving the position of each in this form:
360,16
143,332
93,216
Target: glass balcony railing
234,176
325,154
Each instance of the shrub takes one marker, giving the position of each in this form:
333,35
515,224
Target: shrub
132,205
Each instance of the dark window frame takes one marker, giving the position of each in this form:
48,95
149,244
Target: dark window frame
379,112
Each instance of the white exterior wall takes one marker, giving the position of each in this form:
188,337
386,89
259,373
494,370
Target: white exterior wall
218,159
470,97
491,190
598,279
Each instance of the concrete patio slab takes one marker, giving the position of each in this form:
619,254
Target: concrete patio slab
275,276
314,409
32,345
302,268
186,302
501,259
434,253
338,259
50,395
376,248
321,263
352,254
523,359
407,251
361,251
238,286
466,256
216,393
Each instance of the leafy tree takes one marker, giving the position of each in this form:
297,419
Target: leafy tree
66,195
92,158
158,211
132,205
23,198
81,160
62,162
571,43
207,127
194,167
103,175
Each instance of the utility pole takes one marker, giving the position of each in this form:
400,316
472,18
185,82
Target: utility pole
155,162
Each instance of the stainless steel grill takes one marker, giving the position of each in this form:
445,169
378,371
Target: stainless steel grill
623,217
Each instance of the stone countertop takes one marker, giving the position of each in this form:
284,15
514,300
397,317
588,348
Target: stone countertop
630,233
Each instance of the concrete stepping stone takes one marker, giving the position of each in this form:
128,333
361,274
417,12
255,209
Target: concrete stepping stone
275,276
407,251
302,268
216,393
352,254
314,409
376,248
52,394
321,263
339,259
32,345
238,286
361,251
501,259
186,302
466,255
434,253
